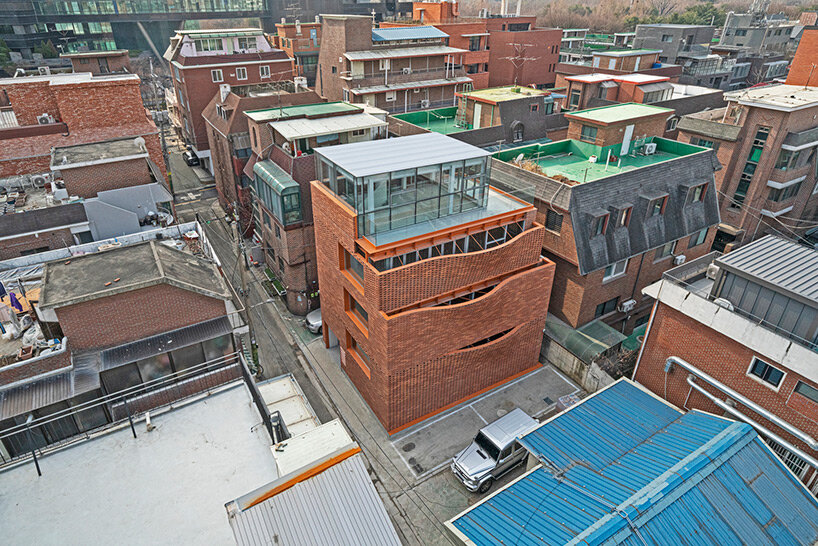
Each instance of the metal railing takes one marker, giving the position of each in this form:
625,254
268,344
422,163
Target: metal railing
395,73
39,436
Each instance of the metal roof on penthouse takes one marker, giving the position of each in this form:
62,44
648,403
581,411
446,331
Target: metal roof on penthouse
401,52
395,154
292,129
625,467
779,263
407,33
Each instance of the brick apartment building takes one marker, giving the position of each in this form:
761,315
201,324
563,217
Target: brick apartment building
618,62
395,69
100,62
123,317
202,60
765,138
431,298
742,328
801,68
39,113
494,45
281,171
301,42
614,224
229,137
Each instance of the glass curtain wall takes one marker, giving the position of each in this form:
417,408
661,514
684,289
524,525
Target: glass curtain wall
104,7
403,198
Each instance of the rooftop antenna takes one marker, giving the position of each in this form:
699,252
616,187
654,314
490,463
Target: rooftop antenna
811,70
519,59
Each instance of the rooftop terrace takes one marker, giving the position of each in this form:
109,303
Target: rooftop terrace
500,94
98,152
573,162
439,120
618,113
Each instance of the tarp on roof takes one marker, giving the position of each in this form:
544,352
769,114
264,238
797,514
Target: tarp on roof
585,342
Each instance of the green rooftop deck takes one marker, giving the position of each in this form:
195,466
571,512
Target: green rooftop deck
568,160
439,120
303,111
617,113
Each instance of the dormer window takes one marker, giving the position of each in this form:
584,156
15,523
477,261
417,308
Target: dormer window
599,225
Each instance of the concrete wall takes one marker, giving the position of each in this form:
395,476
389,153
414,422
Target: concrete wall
588,376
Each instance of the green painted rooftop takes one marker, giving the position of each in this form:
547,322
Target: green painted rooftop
618,112
439,120
568,161
500,94
303,111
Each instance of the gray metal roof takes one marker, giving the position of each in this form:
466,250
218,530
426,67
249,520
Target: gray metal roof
783,264
395,154
406,33
401,52
337,507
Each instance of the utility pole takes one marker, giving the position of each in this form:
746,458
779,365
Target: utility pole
243,267
160,117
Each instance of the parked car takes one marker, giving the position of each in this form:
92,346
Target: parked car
313,321
190,158
494,451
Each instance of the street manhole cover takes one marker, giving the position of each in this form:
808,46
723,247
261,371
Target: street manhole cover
408,447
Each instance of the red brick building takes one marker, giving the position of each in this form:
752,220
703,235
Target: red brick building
620,206
496,47
43,112
100,62
202,60
619,63
301,42
432,284
765,138
741,330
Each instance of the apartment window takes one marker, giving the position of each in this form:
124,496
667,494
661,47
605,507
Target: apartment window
359,355
474,43
353,266
667,38
573,100
588,133
657,206
278,231
519,132
534,107
281,265
671,124
334,69
357,312
697,193
697,238
625,217
782,194
178,73
241,73
553,221
247,43
607,307
664,251
264,71
765,372
787,159
358,132
704,143
807,391
216,76
615,270
600,225
390,96
750,167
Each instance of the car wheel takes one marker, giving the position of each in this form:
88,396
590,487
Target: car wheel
485,486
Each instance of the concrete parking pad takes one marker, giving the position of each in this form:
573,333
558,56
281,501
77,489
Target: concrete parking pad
428,447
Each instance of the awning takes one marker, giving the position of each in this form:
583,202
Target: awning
411,85
310,128
609,83
659,86
475,34
585,342
400,53
274,176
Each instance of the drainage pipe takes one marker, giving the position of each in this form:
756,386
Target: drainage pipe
812,461
798,433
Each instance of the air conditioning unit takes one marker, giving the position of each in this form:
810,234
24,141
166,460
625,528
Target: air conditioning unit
725,303
424,103
627,306
44,70
650,148
40,180
679,260
45,119
712,271
406,70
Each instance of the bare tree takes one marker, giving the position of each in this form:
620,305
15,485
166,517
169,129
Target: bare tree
662,7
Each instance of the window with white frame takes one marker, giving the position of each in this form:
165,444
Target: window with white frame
241,73
247,43
264,71
615,270
216,75
390,96
766,372
208,44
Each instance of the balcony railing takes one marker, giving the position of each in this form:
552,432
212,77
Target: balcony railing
441,72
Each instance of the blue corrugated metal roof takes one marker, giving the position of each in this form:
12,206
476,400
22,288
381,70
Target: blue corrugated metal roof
406,33
624,467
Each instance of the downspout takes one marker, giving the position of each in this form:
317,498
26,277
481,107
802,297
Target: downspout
760,428
798,433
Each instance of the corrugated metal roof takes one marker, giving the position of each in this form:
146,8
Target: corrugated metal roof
778,262
337,507
25,398
409,85
395,154
306,128
407,33
625,467
401,52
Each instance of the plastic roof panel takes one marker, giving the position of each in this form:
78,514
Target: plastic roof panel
407,33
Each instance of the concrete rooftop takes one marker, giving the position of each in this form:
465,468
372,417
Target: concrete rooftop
167,486
494,95
776,97
98,152
618,113
303,111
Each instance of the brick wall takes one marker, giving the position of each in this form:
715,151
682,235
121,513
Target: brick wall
88,181
337,37
802,67
539,44
31,99
675,334
134,315
15,247
31,368
608,135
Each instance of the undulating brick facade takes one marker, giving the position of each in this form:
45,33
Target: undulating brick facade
134,315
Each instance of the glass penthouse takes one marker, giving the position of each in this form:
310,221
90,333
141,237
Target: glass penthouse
417,250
